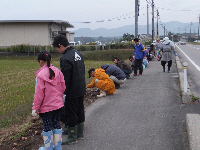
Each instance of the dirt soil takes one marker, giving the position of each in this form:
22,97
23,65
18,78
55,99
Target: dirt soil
15,138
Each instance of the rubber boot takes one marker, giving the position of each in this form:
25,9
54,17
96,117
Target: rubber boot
117,86
48,140
127,76
102,93
57,139
72,136
65,131
80,128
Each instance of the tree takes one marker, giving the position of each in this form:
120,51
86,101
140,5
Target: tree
127,37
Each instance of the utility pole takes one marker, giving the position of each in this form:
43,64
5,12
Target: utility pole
152,21
157,24
185,33
136,18
198,27
190,28
147,20
164,31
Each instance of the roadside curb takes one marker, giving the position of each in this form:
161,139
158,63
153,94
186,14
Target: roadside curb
192,120
186,96
193,130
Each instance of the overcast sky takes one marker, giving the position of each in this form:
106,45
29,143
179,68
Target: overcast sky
115,13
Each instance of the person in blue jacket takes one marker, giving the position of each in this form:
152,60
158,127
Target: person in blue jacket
115,74
139,54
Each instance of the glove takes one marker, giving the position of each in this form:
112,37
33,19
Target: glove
34,113
64,95
96,80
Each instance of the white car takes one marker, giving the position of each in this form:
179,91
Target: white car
183,43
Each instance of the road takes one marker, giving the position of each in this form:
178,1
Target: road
144,114
191,54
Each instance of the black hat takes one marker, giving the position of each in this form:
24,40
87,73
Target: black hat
114,58
90,70
136,39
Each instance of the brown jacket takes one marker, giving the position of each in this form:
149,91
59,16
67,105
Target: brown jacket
122,65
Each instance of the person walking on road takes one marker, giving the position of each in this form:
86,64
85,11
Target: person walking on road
123,66
73,69
139,54
167,50
115,74
102,81
48,101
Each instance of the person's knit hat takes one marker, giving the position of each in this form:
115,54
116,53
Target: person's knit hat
90,70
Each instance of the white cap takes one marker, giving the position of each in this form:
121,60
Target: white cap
166,40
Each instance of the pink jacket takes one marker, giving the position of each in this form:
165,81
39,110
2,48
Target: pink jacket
48,92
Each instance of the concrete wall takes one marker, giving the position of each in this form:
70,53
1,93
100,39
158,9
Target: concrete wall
56,27
70,37
24,33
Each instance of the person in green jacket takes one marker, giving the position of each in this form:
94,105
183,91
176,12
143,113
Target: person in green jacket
123,66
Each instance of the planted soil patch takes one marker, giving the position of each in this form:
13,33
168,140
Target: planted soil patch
31,139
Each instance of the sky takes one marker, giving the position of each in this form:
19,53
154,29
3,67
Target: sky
99,13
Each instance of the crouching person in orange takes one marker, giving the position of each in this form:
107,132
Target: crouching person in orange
102,81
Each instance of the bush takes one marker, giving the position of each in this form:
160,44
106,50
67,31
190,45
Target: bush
107,54
128,45
82,48
23,48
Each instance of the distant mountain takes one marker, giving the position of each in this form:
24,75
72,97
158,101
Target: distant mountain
173,26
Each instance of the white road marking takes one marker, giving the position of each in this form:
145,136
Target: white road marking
175,76
198,68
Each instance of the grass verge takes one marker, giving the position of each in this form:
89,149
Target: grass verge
18,81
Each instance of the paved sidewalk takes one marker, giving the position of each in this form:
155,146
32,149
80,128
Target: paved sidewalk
144,114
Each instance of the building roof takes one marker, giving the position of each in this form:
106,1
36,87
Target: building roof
65,23
66,32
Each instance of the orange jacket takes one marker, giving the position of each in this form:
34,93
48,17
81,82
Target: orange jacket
104,82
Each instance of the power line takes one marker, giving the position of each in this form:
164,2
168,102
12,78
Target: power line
121,17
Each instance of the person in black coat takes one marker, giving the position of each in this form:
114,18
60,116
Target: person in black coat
73,69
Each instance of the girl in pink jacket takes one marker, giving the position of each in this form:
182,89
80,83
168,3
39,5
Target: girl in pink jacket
48,101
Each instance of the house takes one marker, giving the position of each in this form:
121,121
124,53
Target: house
33,32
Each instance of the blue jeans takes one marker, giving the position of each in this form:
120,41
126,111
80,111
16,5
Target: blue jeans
126,71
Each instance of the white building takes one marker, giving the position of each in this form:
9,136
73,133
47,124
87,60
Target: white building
33,32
